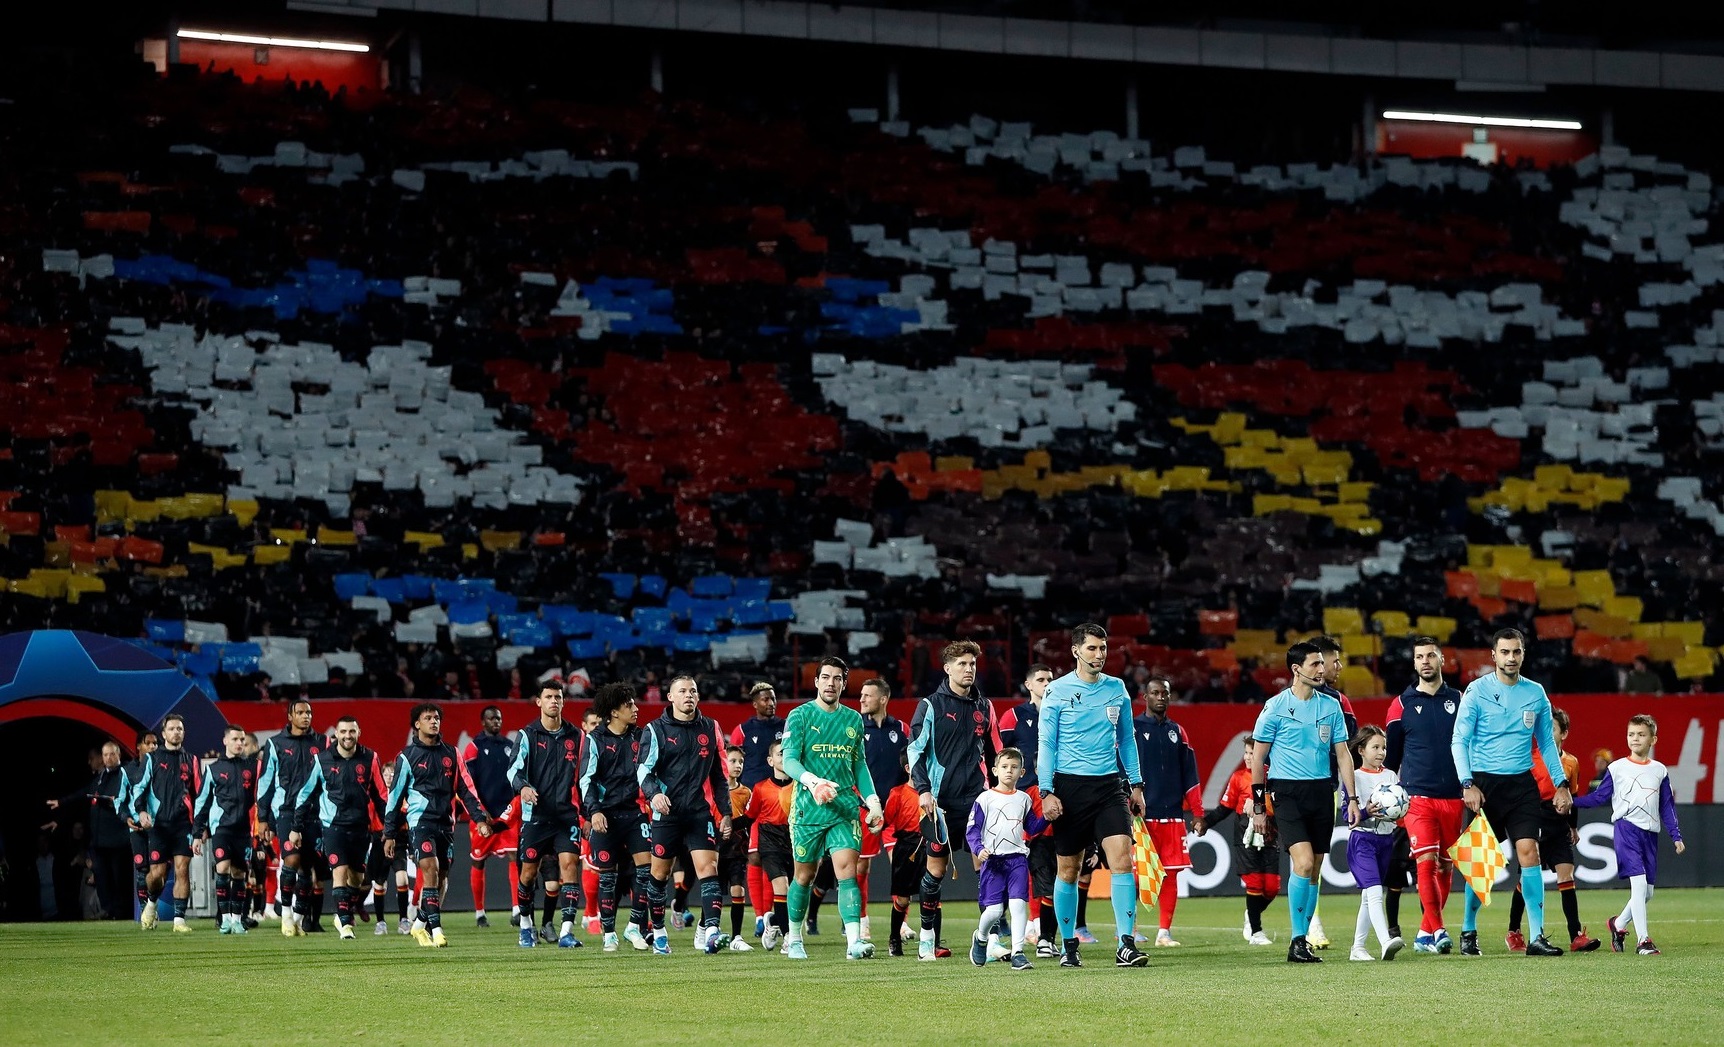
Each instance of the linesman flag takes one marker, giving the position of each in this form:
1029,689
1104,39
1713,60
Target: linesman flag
1147,863
1479,857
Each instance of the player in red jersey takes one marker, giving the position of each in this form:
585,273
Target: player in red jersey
769,810
1256,854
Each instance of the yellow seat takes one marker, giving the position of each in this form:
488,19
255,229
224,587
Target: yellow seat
954,463
242,509
1359,682
1034,460
331,536
1392,623
1558,597
287,535
1340,621
1320,474
265,555
52,581
423,539
1435,625
1629,607
1554,477
1691,633
111,506
1594,587
1665,648
469,551
1361,645
1228,427
498,541
77,585
1696,664
1355,491
143,511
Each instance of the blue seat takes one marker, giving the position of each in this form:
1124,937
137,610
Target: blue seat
416,586
654,585
530,633
753,588
780,611
468,612
691,642
750,612
392,589
347,586
590,648
709,585
652,618
622,585
163,630
240,657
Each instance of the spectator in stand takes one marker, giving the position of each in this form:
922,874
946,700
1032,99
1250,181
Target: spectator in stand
1642,679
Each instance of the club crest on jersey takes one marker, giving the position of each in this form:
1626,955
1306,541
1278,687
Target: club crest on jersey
892,735
1448,707
1173,734
850,732
1528,717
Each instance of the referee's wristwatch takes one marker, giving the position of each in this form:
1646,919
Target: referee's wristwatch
1467,784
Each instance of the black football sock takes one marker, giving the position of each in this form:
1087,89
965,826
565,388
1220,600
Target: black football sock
930,900
681,895
1570,906
898,914
550,903
317,900
1254,906
1050,921
431,907
1517,909
711,896
571,902
781,913
401,900
736,907
221,896
639,905
1083,907
656,890
525,893
608,900
1392,907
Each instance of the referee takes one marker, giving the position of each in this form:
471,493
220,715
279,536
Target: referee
1303,726
1502,715
1086,738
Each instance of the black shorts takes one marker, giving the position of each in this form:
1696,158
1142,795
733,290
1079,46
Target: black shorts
625,835
909,861
170,840
1265,859
1304,812
1092,809
1043,865
542,838
1403,871
775,850
428,841
1553,846
732,869
1512,805
231,845
378,864
672,836
937,831
349,847
310,845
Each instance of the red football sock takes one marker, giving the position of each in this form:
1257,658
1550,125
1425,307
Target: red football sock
1430,899
514,881
590,887
1169,899
759,891
1035,907
1445,883
476,880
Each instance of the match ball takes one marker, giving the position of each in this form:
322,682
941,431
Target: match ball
1392,800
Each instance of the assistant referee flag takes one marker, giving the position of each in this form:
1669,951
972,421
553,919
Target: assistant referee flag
1147,863
1479,857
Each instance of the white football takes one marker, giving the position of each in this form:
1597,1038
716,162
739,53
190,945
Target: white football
1392,800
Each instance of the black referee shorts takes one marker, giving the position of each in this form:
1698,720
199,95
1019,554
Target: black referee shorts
1512,805
1304,812
1093,808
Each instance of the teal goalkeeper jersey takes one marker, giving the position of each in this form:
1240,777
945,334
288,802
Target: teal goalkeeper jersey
828,744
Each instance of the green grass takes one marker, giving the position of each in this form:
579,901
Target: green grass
92,984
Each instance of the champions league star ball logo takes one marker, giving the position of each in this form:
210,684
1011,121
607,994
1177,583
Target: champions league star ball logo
1113,715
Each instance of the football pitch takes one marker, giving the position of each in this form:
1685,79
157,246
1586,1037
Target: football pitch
108,983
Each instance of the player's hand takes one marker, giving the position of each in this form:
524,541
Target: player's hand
389,847
875,820
661,804
601,824
145,821
1137,800
1573,836
197,846
53,805
926,800
1260,823
132,825
483,828
1051,807
1564,800
1473,797
1353,813
1680,847
293,838
529,795
724,827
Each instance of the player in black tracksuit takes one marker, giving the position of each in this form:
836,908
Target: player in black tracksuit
284,763
546,766
429,778
343,795
611,797
682,777
163,806
132,776
223,817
